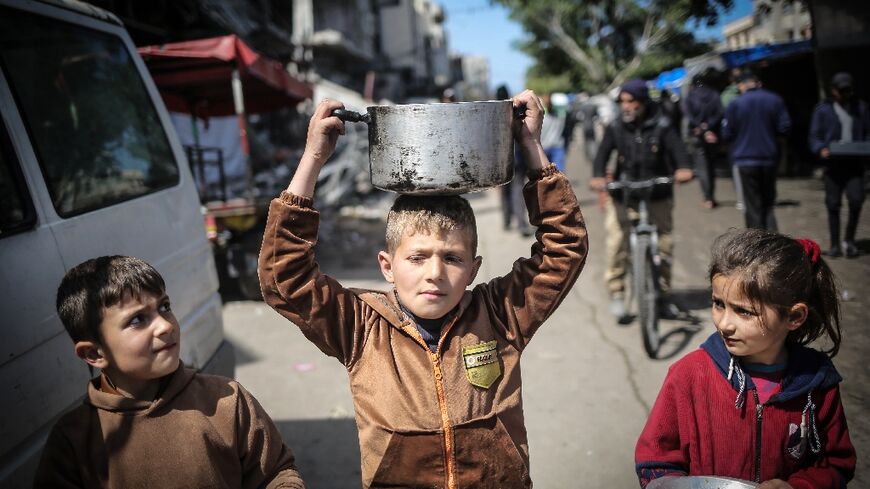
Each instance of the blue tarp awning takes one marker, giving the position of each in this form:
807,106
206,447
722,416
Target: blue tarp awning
670,80
740,57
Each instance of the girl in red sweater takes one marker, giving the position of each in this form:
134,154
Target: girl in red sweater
754,402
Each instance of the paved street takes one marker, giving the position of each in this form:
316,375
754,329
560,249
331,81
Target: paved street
588,385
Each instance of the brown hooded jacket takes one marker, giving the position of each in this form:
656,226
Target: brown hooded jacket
201,431
452,418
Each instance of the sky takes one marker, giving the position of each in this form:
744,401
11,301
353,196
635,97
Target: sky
475,27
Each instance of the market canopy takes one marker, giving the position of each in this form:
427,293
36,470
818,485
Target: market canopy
195,77
671,80
768,52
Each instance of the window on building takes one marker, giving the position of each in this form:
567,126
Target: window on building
93,126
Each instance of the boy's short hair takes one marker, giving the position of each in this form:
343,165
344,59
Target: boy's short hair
98,283
443,213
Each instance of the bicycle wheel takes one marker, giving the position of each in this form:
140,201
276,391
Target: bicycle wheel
646,294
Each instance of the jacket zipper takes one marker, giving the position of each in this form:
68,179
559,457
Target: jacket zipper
637,146
445,421
442,402
759,409
442,406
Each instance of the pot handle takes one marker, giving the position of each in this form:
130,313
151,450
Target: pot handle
351,116
520,112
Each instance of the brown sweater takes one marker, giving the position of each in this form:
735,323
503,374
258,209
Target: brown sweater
453,418
202,431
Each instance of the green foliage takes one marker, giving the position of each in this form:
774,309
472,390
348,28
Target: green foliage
671,56
547,83
594,44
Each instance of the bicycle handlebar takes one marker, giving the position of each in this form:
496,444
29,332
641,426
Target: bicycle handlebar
640,184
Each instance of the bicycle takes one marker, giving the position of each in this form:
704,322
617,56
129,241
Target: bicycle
645,258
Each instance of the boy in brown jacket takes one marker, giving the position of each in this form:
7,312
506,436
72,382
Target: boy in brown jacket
434,369
148,421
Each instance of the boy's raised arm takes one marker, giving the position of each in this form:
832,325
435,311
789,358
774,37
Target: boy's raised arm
323,132
290,278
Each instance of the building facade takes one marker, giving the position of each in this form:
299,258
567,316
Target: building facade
771,22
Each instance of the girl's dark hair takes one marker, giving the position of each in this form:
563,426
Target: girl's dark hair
775,271
90,287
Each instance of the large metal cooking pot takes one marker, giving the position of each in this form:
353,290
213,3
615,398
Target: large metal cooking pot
700,482
438,148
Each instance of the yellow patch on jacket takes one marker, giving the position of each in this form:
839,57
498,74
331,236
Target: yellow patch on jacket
481,363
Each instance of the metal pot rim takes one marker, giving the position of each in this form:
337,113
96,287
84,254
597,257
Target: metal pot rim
433,106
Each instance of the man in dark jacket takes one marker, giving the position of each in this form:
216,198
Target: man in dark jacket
704,110
642,138
841,119
752,123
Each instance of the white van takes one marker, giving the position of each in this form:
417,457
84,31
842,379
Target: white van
89,166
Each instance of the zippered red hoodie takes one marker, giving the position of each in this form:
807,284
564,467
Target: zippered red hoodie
707,422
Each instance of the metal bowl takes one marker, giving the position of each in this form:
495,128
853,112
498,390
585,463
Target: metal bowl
700,482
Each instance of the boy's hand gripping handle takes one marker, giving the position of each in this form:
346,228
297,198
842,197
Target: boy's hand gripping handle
351,116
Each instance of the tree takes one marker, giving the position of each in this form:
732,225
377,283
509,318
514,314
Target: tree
598,44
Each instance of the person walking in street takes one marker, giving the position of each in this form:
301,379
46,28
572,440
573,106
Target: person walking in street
752,123
727,96
642,138
513,207
841,119
704,110
732,91
759,376
587,115
554,136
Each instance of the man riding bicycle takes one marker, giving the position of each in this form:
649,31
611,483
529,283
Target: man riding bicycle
647,147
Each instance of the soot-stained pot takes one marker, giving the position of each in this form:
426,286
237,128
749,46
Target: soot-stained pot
439,149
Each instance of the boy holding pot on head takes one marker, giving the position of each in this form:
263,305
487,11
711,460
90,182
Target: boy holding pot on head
434,368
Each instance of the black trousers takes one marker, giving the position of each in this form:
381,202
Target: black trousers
759,196
843,177
706,156
513,206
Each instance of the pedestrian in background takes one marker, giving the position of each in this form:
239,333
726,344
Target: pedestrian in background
554,132
841,119
587,115
672,107
642,137
703,108
513,206
752,124
732,91
728,95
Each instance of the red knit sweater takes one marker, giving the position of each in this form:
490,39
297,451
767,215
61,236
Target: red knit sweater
696,429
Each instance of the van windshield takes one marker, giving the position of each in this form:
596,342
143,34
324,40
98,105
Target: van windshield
94,128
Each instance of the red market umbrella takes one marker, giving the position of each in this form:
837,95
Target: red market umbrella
206,77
